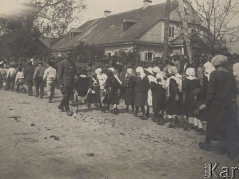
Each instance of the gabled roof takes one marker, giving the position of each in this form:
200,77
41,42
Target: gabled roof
47,41
108,30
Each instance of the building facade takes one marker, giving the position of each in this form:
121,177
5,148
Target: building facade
142,28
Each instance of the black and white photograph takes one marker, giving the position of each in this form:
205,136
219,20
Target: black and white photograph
119,89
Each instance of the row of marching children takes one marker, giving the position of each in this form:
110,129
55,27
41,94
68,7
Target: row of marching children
169,95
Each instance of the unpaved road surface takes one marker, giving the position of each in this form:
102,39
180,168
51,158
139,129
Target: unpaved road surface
39,142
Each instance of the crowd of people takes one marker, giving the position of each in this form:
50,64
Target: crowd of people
172,89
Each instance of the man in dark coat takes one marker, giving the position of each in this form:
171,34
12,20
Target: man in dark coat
185,65
38,78
221,114
66,75
28,76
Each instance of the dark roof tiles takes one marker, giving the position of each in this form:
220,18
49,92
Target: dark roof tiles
109,29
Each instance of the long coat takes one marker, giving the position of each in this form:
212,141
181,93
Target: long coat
82,85
28,73
174,107
66,73
112,87
129,91
221,113
189,105
94,97
141,89
159,96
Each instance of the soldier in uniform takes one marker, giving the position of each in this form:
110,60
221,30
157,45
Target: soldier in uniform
66,75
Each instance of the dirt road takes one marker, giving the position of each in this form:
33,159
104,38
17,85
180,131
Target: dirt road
39,142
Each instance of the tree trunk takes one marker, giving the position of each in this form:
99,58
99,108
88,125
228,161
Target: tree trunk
185,32
166,27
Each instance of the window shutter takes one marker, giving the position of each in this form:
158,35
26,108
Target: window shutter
172,31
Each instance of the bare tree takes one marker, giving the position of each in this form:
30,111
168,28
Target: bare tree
218,17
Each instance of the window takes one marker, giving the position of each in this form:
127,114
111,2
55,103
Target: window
193,31
171,32
148,56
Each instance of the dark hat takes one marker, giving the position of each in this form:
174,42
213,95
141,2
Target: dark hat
185,57
50,62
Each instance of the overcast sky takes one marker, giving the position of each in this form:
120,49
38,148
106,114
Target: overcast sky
95,9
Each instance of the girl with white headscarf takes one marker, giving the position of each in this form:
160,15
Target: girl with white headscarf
141,84
102,80
174,105
149,102
189,85
129,89
159,97
112,87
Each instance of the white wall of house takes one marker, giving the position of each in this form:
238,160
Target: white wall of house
112,50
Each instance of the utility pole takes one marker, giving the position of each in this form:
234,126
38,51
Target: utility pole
166,29
185,32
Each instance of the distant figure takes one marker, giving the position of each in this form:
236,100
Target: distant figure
38,78
19,79
50,78
159,96
3,74
11,74
93,95
28,76
129,89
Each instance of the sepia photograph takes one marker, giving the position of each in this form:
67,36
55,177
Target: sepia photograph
119,89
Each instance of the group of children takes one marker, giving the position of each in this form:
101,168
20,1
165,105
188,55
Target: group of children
169,95
13,78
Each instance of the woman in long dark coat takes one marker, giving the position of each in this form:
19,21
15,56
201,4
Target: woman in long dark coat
189,85
129,89
174,104
159,97
82,84
141,83
93,95
221,107
201,94
112,87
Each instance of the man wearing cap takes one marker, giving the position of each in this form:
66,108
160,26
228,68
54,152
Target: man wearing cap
38,78
66,75
28,76
2,74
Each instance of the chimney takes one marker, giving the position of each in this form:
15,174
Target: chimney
107,13
146,3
